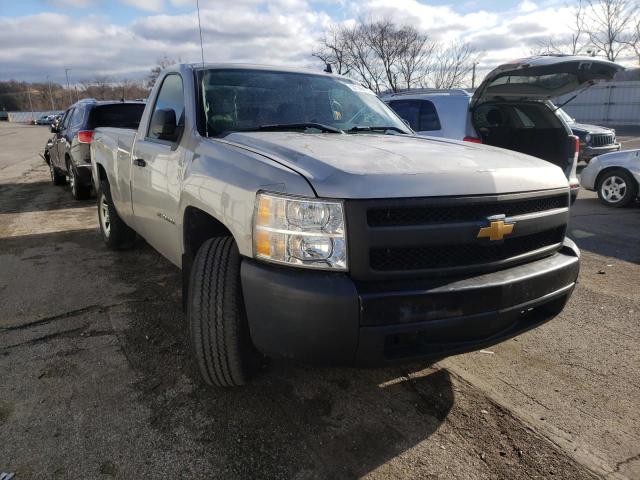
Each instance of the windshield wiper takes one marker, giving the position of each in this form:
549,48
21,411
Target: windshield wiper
375,129
297,126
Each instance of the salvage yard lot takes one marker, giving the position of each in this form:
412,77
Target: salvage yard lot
98,382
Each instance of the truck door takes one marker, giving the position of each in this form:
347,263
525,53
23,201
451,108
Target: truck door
156,174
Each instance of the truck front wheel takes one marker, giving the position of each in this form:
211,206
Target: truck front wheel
219,330
115,233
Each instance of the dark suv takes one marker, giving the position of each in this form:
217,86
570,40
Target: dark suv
594,140
69,153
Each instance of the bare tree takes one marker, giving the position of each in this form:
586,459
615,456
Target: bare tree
453,65
331,50
378,53
362,58
162,63
416,60
388,43
609,24
634,41
573,44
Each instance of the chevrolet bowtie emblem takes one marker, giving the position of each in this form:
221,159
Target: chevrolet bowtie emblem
497,230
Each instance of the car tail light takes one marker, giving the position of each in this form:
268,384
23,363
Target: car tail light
576,148
472,139
85,136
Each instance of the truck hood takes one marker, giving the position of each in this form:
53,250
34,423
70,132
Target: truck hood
385,166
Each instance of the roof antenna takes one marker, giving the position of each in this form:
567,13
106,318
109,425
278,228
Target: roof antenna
328,68
200,30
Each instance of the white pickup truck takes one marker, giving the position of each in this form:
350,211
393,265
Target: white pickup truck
310,223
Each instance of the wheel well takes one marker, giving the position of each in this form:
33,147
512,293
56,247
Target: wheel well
198,227
609,169
102,174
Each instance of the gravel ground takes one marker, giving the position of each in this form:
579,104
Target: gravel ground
97,379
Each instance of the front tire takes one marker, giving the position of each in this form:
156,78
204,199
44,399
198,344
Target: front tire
115,233
617,188
218,324
57,178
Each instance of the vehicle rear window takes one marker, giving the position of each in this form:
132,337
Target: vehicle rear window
118,115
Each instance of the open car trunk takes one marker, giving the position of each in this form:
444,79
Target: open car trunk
525,127
511,108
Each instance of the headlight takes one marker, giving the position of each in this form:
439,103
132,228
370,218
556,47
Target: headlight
303,232
587,138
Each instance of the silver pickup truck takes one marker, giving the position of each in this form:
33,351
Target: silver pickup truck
311,224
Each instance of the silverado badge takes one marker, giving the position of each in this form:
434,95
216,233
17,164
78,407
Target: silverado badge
497,229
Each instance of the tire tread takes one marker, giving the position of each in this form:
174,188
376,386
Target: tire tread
219,332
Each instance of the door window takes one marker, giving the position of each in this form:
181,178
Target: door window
408,110
77,117
67,118
170,96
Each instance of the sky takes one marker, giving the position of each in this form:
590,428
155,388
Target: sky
125,38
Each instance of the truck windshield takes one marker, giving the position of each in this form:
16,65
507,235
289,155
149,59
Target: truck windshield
244,100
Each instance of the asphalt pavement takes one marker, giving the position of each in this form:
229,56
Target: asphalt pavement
98,381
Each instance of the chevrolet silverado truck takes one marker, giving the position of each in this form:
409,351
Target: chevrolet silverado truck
310,223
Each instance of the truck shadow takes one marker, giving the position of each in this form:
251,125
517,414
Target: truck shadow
292,419
37,197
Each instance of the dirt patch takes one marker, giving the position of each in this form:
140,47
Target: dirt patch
58,369
6,409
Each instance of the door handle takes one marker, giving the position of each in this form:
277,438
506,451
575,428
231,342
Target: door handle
140,162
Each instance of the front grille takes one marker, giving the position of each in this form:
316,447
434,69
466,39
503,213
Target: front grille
448,256
418,215
601,140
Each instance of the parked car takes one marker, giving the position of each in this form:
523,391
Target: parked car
4,116
594,140
615,176
69,155
516,116
45,120
311,224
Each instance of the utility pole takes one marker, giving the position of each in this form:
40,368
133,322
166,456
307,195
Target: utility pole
53,107
66,72
30,104
473,75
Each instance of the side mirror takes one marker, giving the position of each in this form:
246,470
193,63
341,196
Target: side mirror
54,128
164,125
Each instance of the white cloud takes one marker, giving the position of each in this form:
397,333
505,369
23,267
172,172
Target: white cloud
148,5
527,6
281,32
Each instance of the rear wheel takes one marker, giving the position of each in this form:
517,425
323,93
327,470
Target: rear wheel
617,188
219,330
79,191
57,177
115,233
